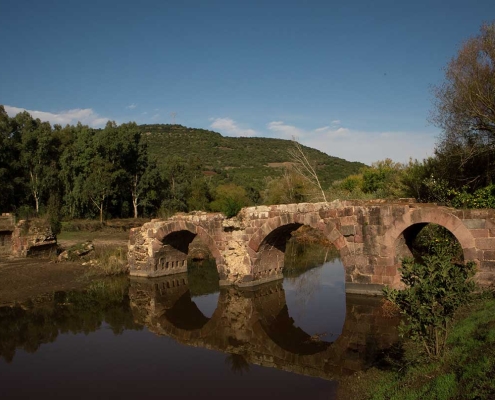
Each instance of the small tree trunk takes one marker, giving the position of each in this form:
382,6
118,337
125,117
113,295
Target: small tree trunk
134,203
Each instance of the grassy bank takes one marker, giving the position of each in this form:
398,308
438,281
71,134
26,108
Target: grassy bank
467,370
109,254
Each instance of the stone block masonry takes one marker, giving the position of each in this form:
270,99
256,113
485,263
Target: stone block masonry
33,237
371,236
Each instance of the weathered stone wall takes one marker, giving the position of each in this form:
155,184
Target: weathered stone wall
33,237
371,237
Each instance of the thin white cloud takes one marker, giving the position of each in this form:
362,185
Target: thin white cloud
336,122
363,146
229,127
289,131
84,115
131,106
322,129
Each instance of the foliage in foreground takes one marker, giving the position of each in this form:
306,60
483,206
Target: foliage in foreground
435,289
466,371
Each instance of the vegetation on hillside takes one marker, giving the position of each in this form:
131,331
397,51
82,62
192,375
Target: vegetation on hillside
244,161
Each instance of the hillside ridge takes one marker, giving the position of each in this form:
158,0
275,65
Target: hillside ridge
244,160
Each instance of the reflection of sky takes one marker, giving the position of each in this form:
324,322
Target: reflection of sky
316,300
207,304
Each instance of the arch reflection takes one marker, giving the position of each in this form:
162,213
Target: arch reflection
256,325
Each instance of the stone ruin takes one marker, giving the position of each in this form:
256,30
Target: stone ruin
33,237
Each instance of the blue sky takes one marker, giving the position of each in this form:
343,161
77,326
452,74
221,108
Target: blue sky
351,78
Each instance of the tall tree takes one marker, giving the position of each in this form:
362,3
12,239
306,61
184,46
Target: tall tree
465,110
38,153
99,184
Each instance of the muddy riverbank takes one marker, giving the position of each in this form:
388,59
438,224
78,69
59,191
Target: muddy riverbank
25,278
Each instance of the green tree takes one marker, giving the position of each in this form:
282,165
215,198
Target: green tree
289,188
99,184
200,195
229,199
38,153
383,178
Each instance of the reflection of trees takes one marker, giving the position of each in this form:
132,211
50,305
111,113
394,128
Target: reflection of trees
301,263
32,324
301,257
237,364
202,277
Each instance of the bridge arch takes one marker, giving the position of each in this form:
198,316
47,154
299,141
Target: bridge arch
269,242
170,246
421,217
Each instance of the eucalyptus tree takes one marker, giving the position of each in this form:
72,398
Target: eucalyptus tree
99,184
140,176
38,155
76,163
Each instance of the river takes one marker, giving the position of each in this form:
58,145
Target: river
183,337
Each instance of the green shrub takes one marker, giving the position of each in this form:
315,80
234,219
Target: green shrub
435,289
481,198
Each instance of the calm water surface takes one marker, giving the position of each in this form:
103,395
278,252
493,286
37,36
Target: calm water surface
157,339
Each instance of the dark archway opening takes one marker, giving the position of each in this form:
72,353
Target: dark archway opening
423,239
202,269
277,239
185,251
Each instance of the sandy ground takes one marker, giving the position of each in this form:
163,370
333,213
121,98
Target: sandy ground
25,278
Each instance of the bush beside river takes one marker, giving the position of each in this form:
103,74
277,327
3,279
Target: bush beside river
466,371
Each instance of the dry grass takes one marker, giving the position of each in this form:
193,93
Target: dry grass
108,260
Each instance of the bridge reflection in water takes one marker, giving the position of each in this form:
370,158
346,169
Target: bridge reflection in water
254,326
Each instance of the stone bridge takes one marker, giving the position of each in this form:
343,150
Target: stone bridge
372,237
253,325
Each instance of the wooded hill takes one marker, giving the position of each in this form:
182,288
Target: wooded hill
246,161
